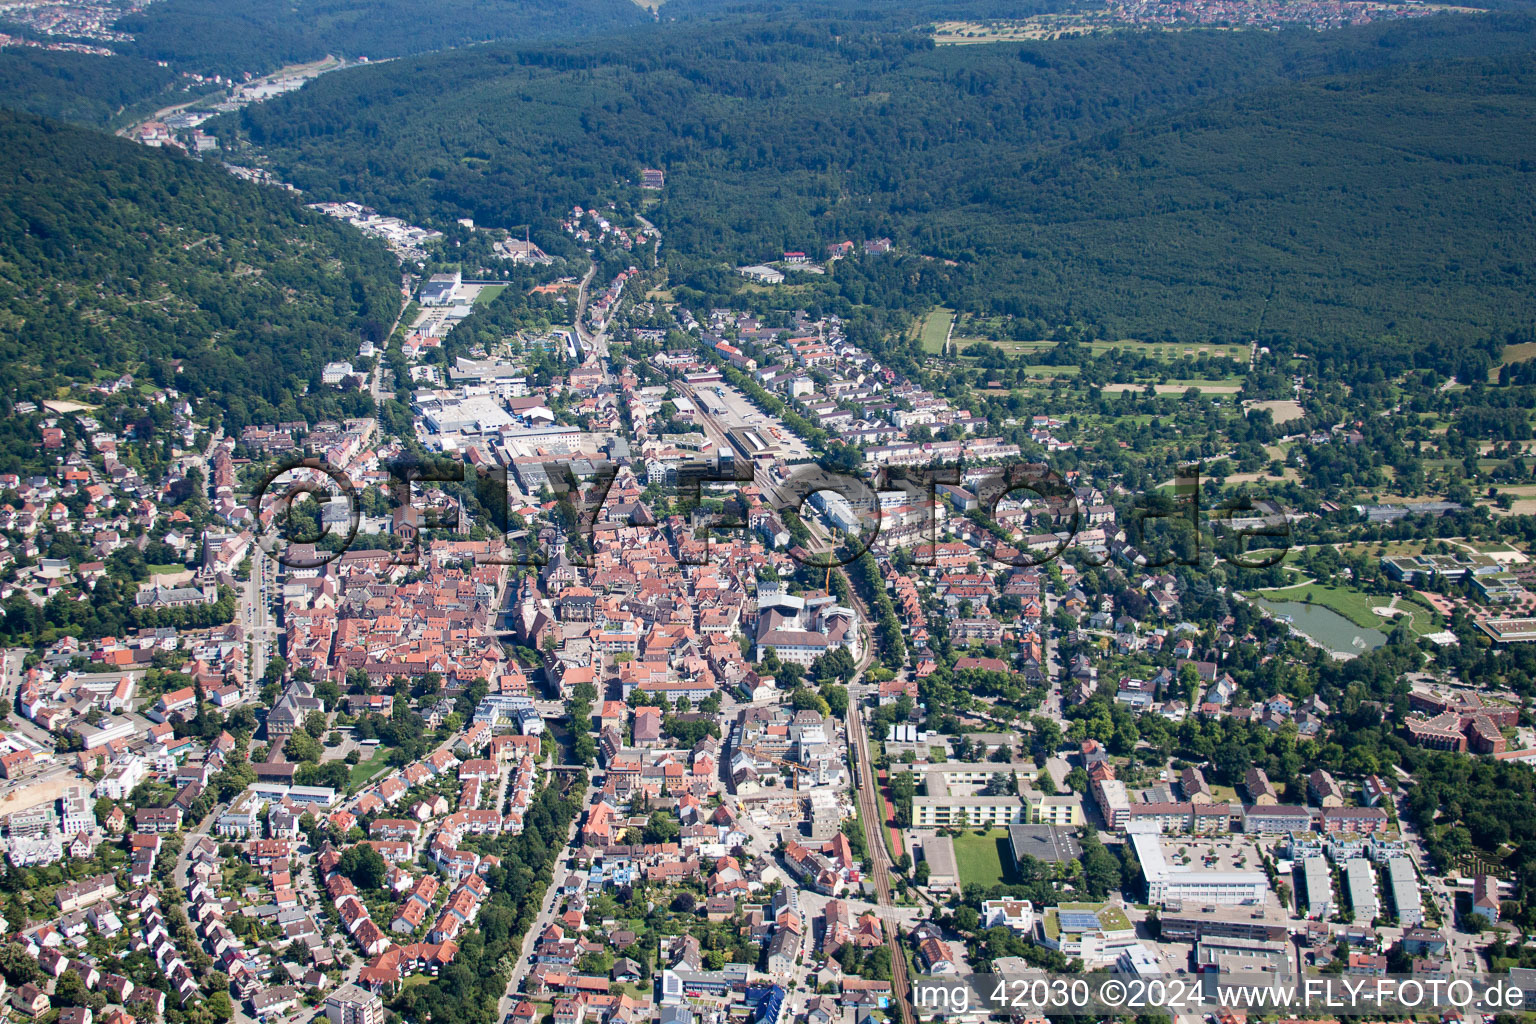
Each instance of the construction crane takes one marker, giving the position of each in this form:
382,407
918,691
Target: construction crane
794,769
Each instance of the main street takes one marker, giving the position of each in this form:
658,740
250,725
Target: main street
256,617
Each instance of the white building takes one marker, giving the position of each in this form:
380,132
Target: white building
1170,882
351,1004
1139,961
76,813
1016,914
335,373
762,274
440,289
1318,881
1361,880
1403,888
122,777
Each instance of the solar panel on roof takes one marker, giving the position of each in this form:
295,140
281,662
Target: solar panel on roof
1078,920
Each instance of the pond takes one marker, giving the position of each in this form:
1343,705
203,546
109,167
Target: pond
1327,627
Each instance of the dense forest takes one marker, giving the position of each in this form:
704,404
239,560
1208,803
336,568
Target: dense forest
119,259
214,37
82,87
1202,183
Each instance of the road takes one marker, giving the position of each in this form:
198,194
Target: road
256,617
382,394
544,919
591,344
184,858
40,737
309,69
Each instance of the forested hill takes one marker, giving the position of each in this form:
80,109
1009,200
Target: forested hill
83,87
1065,177
116,258
219,37
1399,203
216,37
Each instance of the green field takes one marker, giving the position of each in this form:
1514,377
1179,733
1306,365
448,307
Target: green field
1356,607
1156,349
984,859
1519,352
935,329
366,769
488,293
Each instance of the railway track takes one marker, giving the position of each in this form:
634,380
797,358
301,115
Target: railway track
872,814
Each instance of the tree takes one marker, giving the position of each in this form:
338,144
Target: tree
1077,779
364,866
1100,872
806,699
834,667
70,990
789,675
218,1007
836,698
329,693
17,966
662,827
301,746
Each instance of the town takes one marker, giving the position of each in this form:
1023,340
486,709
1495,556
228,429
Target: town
653,725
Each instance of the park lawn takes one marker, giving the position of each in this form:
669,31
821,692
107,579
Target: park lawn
366,769
165,568
935,329
488,294
984,859
1356,607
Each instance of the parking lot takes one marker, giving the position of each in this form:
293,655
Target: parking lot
1231,853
